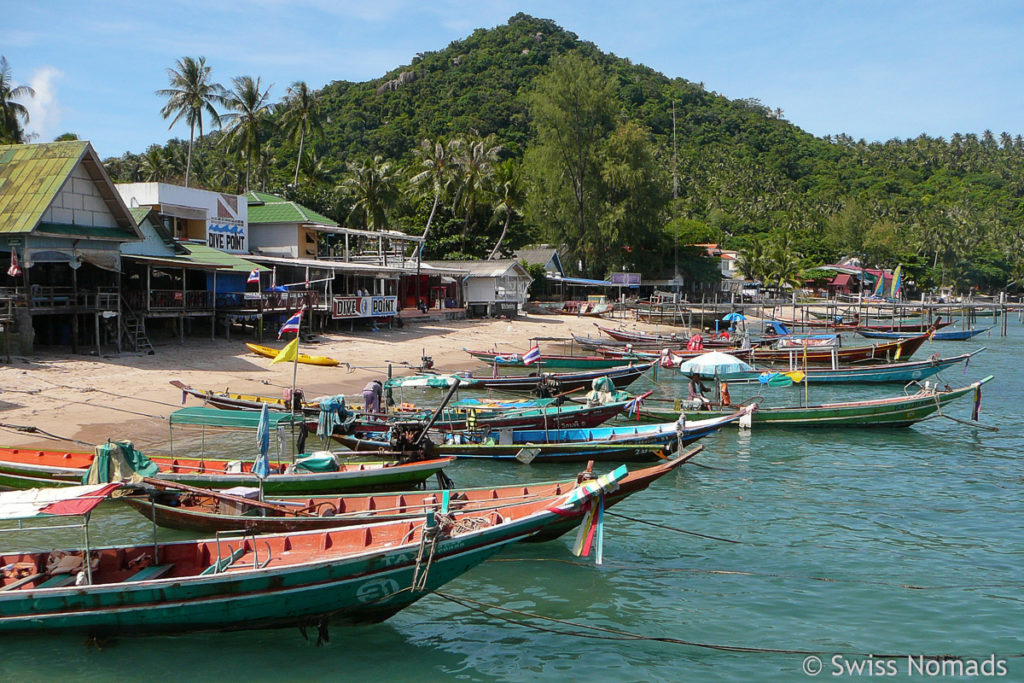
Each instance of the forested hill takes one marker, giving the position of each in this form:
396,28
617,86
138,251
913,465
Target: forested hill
950,210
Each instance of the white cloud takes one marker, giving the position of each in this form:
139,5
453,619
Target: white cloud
44,110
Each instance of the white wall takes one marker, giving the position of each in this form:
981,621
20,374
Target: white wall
80,203
223,211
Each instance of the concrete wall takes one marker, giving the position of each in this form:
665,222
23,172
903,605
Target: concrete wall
80,203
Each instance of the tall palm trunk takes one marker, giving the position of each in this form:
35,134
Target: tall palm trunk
494,252
188,164
302,139
426,231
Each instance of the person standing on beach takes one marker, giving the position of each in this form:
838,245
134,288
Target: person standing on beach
371,397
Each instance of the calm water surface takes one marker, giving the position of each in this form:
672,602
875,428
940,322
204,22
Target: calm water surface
901,542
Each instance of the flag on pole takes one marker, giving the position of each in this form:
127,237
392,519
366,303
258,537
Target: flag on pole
261,466
531,356
15,269
288,353
254,276
291,324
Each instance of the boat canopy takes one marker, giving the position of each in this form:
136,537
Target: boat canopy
423,381
231,419
53,502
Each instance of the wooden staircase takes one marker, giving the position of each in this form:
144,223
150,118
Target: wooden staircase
133,330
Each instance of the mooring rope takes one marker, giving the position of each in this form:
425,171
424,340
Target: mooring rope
586,631
30,429
670,528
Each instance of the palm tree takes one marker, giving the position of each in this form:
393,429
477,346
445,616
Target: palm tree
374,190
10,111
783,263
154,166
476,165
437,164
191,93
753,261
301,118
509,194
313,168
250,109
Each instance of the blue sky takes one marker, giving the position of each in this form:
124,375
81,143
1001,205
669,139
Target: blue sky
871,69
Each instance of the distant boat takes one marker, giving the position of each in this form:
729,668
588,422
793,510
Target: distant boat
897,411
269,352
944,335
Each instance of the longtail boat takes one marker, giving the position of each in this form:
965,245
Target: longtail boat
515,360
902,372
268,352
232,401
885,352
634,443
67,467
621,376
945,335
555,417
354,574
896,411
209,511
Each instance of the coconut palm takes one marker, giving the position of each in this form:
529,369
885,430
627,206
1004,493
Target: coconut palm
475,162
191,93
13,115
373,188
435,158
509,195
250,109
301,118
154,164
753,261
783,263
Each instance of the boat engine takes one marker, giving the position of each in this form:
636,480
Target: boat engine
405,440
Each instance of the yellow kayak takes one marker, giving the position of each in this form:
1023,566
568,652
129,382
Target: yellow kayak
303,358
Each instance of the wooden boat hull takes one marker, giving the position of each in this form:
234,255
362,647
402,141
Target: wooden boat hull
395,507
268,352
877,353
354,574
552,417
621,376
65,468
606,444
515,360
947,335
900,411
888,372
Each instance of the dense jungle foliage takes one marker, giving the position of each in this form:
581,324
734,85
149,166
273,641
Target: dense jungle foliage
524,133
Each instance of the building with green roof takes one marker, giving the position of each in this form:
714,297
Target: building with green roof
64,222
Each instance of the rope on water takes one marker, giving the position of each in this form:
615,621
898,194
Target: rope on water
587,631
670,528
977,425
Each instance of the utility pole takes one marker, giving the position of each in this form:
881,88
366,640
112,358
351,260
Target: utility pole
675,195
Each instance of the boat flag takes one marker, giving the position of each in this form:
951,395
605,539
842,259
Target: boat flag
897,282
254,276
977,403
291,324
15,269
532,356
899,350
288,353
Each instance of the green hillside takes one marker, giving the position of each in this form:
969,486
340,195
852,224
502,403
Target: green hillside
950,210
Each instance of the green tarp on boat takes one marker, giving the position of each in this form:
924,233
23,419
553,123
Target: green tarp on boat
232,419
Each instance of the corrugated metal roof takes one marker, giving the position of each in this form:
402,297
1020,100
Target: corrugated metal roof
268,208
203,254
496,268
30,177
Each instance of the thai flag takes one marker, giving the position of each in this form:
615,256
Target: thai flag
254,276
531,356
291,324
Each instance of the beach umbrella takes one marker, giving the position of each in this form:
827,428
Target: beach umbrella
261,468
733,317
714,365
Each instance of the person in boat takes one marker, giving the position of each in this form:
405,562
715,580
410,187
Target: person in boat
695,395
371,397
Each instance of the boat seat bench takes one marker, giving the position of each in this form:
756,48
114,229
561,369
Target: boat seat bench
58,581
150,573
22,581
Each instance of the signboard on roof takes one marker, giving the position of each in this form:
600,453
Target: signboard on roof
226,229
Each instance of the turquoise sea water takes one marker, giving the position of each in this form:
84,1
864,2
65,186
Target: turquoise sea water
894,542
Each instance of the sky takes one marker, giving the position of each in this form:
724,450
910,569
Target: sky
871,69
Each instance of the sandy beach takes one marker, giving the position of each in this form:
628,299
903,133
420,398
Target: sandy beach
89,399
